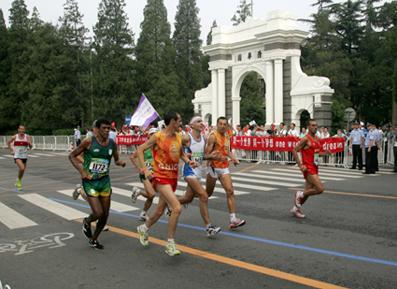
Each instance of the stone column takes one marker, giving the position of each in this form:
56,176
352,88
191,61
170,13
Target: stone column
278,91
221,93
269,93
214,96
236,110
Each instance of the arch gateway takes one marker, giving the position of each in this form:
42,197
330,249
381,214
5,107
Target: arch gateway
271,48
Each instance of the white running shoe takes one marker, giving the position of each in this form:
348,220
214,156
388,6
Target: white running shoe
212,230
143,235
297,212
135,194
76,192
236,223
171,250
298,199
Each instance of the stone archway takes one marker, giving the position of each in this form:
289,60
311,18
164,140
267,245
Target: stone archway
271,48
303,116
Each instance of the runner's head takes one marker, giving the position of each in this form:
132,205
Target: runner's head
21,129
102,127
196,123
312,126
221,124
173,120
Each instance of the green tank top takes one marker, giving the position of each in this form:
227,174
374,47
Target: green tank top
97,158
148,158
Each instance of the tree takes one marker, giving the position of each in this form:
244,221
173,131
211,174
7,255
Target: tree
113,63
155,60
4,73
187,43
244,11
252,99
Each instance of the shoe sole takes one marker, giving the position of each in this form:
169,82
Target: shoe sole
296,216
172,255
237,226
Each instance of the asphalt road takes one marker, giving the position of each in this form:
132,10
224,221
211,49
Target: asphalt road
349,238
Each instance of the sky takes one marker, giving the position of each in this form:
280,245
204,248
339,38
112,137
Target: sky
220,10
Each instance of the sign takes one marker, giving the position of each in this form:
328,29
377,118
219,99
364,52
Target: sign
144,114
129,140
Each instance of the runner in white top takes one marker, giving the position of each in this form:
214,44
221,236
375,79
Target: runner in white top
21,142
194,145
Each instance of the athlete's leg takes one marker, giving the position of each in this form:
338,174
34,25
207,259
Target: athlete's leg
21,168
157,213
105,204
96,208
188,196
226,182
194,184
316,186
210,185
173,204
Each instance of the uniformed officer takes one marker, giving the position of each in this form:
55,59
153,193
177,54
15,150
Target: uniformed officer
394,143
370,149
356,140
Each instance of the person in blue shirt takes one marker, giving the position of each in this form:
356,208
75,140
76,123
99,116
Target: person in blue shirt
356,141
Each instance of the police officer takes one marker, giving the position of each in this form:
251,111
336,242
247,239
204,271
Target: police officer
378,141
394,143
356,139
370,149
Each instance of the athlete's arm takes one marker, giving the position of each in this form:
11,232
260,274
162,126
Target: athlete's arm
232,157
141,149
11,140
296,151
116,157
73,157
209,147
134,159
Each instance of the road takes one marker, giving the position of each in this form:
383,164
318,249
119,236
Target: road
349,238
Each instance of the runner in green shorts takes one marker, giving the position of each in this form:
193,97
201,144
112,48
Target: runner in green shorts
98,152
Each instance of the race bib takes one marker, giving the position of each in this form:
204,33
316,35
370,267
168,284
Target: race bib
316,159
198,157
99,166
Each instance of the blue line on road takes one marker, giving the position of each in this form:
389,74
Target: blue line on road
257,239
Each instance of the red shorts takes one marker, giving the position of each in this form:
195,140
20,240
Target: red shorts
311,170
163,181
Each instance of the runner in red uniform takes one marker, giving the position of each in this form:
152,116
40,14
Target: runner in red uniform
309,147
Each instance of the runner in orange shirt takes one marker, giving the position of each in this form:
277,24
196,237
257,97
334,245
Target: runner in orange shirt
219,140
167,150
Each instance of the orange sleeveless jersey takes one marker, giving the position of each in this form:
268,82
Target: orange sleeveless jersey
222,143
166,155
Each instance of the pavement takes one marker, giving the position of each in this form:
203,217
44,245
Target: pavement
348,240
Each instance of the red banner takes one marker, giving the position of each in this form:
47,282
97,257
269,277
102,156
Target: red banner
128,140
282,144
255,143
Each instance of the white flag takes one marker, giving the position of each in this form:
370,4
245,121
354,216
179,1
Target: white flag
144,114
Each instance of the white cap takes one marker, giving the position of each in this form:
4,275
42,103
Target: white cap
153,130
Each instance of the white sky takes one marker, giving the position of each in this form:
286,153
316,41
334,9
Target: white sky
219,10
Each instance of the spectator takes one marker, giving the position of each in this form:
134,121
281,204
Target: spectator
339,157
77,136
303,132
292,131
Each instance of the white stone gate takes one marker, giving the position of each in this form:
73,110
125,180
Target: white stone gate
271,48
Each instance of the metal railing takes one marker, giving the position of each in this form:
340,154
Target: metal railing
46,142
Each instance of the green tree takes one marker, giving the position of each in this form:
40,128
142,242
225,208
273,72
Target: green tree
155,60
187,45
4,74
113,61
252,100
244,11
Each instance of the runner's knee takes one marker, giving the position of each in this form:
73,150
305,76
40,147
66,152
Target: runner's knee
176,209
320,189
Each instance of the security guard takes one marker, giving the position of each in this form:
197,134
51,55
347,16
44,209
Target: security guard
356,140
370,149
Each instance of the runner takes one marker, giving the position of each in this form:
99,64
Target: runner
149,191
309,147
219,141
21,142
194,143
167,150
98,152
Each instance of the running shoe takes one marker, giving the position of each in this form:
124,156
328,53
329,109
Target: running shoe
298,199
236,223
135,194
143,235
297,212
76,192
87,229
143,216
106,228
212,230
18,185
171,250
95,244
168,212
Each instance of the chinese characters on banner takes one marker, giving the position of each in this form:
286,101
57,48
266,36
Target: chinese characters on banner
256,143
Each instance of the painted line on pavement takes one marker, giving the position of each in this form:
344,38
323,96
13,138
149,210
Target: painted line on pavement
263,240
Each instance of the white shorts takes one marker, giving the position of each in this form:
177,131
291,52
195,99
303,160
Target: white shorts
216,172
199,172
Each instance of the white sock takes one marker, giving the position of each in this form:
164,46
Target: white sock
143,226
301,194
209,225
171,241
232,217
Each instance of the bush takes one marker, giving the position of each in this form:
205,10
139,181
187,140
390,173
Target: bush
64,131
